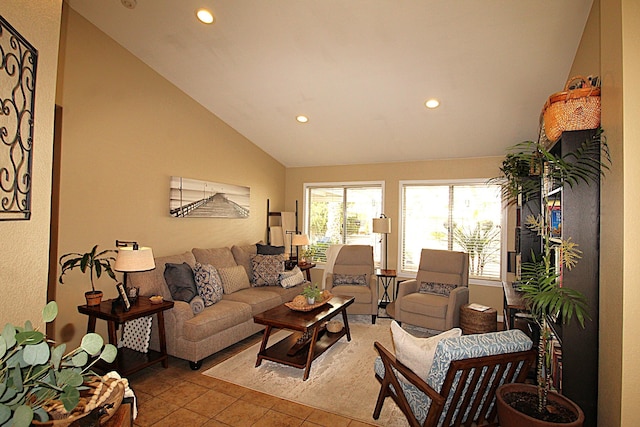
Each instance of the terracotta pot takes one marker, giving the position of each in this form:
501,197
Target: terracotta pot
510,417
93,297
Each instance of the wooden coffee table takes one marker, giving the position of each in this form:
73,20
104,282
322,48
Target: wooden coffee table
310,338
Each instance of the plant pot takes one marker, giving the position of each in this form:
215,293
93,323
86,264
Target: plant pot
311,301
511,417
93,297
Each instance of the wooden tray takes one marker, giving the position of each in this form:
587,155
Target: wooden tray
309,307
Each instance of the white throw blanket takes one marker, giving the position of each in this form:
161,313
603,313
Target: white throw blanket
278,234
332,254
288,225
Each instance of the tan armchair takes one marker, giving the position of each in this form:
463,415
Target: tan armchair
355,260
430,310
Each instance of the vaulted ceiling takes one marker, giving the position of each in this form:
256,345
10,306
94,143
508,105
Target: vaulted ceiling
360,70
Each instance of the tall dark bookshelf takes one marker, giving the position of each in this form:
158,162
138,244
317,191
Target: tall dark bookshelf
580,220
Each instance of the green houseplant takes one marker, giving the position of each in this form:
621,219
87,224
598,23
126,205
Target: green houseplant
95,263
525,167
33,373
312,293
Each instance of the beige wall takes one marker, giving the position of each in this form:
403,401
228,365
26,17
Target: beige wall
610,48
126,131
391,174
24,256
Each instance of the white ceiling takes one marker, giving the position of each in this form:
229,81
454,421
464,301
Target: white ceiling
360,69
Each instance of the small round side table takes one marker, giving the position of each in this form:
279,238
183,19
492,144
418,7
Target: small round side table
478,322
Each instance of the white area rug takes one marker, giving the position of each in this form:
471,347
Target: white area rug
341,380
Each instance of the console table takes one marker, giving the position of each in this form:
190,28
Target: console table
128,360
512,304
306,267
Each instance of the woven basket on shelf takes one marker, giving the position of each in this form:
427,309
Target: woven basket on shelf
572,109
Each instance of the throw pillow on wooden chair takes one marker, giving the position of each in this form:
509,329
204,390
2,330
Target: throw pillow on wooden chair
460,385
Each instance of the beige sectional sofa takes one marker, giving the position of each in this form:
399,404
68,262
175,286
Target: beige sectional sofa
195,336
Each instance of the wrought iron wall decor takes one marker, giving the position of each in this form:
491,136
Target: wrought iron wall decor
18,61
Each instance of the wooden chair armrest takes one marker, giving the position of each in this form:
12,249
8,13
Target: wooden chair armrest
389,360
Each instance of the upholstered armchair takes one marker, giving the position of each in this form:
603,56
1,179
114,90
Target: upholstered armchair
352,274
433,299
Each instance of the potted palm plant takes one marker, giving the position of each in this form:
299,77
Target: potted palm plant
95,263
540,287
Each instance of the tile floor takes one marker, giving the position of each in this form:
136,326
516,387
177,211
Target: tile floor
178,396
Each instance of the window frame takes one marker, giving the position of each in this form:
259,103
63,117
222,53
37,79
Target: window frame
455,182
338,184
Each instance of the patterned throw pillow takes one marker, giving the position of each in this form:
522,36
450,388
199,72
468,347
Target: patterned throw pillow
436,288
209,283
294,277
350,279
233,279
267,269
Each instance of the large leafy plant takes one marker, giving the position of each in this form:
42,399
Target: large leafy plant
523,169
33,372
93,261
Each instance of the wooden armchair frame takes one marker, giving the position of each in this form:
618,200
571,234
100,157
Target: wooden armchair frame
471,372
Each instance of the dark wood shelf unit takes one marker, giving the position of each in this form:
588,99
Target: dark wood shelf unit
580,220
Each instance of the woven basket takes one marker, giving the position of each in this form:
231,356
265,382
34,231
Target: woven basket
572,109
478,322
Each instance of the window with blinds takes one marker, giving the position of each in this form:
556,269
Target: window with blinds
342,214
462,217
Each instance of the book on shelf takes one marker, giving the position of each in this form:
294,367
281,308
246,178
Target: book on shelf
478,307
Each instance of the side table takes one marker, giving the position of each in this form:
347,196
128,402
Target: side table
128,360
386,278
478,322
306,267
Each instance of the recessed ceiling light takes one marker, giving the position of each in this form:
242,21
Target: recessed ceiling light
205,16
129,4
432,103
302,119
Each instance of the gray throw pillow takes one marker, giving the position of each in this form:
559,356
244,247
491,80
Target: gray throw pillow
435,288
269,250
179,278
350,279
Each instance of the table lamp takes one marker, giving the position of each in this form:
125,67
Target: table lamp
131,257
298,240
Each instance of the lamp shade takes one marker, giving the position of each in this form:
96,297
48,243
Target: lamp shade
382,225
299,240
130,259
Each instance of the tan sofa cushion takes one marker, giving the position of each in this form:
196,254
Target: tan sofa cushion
260,299
218,257
220,316
242,256
286,294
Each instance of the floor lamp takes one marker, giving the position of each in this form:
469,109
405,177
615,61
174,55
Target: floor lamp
382,225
